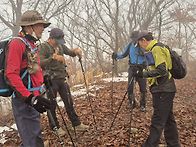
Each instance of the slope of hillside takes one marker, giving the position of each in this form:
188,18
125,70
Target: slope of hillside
101,100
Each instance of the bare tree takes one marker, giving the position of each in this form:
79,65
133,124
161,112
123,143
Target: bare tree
12,10
183,14
103,26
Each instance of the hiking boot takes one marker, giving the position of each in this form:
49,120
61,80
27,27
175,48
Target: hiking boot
81,127
61,132
143,109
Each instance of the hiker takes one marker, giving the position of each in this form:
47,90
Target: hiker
53,63
27,105
163,89
136,61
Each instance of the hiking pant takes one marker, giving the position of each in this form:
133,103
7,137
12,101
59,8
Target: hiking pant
142,86
163,120
28,123
60,86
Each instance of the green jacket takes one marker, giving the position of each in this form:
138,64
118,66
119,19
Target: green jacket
56,69
159,77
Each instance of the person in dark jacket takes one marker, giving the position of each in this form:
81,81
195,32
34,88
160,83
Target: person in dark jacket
136,61
162,88
23,57
53,63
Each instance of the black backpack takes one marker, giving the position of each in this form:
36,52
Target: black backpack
5,89
179,69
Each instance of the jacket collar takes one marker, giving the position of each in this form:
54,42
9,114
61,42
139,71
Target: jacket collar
150,45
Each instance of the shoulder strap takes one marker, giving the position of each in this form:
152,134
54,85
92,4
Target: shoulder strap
161,45
158,44
24,40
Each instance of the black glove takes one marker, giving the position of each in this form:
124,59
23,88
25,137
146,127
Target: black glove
40,103
114,55
138,73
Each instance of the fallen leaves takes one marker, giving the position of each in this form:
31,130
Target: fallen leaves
184,110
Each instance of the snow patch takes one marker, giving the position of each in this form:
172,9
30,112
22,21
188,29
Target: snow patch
4,128
14,127
123,77
2,138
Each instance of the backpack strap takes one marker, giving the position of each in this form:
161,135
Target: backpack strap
159,44
33,50
24,40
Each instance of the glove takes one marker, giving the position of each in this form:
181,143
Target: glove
114,55
78,52
138,73
59,58
40,103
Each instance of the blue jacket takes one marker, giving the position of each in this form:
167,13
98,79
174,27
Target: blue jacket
136,54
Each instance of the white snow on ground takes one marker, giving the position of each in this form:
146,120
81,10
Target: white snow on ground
4,128
61,104
2,138
122,77
75,94
14,127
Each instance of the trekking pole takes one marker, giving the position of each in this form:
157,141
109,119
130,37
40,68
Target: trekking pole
55,129
112,86
73,144
120,105
87,93
54,124
130,118
48,84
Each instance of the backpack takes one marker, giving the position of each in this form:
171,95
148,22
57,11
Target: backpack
5,89
179,69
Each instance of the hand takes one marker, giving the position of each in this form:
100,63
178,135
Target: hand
40,103
59,58
114,55
78,52
138,73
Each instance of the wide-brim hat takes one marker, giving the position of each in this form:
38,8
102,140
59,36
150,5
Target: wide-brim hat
142,34
32,17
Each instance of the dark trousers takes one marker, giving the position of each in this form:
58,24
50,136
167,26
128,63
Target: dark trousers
60,86
142,85
163,120
28,123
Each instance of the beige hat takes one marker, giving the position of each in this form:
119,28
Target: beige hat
32,17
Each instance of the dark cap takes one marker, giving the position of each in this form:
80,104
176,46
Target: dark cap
134,36
58,35
142,34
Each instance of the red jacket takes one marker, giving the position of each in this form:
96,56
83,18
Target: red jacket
15,63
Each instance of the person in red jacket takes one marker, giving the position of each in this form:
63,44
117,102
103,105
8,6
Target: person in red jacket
23,57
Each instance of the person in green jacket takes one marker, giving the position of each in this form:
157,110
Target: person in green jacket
53,63
162,88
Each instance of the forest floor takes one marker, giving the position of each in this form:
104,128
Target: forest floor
99,135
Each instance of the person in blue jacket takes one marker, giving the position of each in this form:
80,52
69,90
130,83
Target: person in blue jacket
136,61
